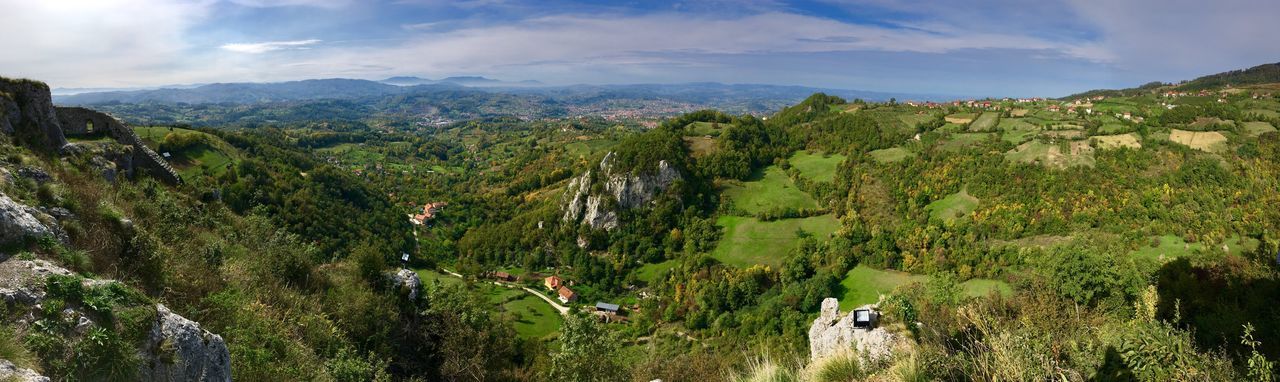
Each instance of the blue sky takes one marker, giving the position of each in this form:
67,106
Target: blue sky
971,48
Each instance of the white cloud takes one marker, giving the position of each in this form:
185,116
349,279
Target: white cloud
263,47
96,43
289,3
1180,39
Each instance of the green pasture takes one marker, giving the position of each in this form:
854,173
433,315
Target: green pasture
749,241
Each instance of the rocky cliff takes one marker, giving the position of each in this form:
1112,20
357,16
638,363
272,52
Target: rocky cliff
598,207
833,333
26,110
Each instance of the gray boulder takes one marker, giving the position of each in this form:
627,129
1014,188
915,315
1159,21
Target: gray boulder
407,280
179,350
19,221
833,333
22,281
10,372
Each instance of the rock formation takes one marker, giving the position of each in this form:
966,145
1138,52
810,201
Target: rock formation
19,222
408,281
832,334
620,191
179,350
26,110
10,372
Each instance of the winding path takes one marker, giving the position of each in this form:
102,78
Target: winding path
564,311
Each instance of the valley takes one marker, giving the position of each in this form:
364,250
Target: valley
677,242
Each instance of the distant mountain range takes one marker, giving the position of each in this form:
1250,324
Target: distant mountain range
471,81
711,94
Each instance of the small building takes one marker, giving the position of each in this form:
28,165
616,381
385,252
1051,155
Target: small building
553,282
503,276
429,212
605,307
567,295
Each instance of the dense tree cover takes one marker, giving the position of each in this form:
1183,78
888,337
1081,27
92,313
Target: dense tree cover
1261,74
311,198
810,109
1082,308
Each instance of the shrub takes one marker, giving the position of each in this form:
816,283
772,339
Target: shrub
103,355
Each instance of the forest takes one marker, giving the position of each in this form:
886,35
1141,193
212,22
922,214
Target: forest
1022,247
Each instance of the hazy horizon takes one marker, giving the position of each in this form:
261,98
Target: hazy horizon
1000,48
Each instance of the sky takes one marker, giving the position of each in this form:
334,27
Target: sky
970,48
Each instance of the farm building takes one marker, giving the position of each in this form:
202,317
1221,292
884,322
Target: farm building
503,276
429,212
607,307
567,295
553,282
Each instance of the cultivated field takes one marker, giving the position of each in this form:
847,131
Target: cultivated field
816,166
769,191
1017,130
748,241
864,285
1258,128
960,118
890,155
1211,141
1051,155
1065,134
1115,141
985,122
961,140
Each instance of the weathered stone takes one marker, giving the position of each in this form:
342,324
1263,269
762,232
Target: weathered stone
34,173
11,372
179,350
22,281
620,191
29,113
19,221
833,334
408,281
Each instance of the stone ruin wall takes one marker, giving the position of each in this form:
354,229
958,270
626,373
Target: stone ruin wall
76,122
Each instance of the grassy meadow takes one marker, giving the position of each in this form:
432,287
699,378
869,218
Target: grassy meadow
749,241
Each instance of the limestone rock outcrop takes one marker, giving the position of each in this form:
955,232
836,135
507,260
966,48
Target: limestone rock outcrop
176,349
408,281
19,222
833,333
179,350
26,110
11,372
620,191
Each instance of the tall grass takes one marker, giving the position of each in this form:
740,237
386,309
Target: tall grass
11,349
